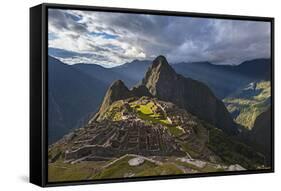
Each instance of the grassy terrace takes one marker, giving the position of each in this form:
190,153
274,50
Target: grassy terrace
266,90
148,111
121,167
209,167
250,108
165,169
114,112
60,171
151,113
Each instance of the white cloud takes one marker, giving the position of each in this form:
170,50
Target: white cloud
115,38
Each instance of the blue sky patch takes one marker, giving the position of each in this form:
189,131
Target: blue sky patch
61,53
104,35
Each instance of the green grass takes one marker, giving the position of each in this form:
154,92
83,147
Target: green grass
165,169
266,90
147,109
211,168
250,108
188,165
249,114
53,152
148,112
60,171
186,148
121,167
207,168
175,130
114,112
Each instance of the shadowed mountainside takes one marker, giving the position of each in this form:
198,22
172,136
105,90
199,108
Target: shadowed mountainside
260,136
73,96
163,82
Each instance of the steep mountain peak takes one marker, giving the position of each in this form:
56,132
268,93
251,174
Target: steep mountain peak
115,92
164,83
118,85
160,64
160,72
160,60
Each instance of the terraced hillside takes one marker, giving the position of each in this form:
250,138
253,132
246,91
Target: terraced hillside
167,139
249,103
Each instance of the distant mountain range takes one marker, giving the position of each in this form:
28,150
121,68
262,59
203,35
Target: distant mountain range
225,79
130,73
222,79
76,91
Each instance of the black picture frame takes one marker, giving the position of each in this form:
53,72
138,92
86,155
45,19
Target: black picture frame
39,101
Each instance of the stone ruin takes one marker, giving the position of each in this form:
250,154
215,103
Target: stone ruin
123,137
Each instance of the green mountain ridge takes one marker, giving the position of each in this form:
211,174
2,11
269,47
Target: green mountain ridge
246,105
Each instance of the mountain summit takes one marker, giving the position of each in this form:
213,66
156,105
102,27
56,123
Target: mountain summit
161,62
164,83
159,74
115,92
161,81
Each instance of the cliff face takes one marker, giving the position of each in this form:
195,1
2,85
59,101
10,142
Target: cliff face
115,92
163,82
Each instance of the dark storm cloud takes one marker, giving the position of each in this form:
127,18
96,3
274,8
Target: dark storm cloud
62,20
179,38
197,39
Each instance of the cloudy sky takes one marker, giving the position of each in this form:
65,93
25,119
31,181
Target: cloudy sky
111,39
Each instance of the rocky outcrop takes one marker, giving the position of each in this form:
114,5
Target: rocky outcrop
119,91
115,92
164,83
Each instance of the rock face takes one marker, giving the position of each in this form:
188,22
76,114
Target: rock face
116,91
136,161
163,82
235,167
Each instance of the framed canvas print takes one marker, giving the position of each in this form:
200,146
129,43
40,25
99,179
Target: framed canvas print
128,94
